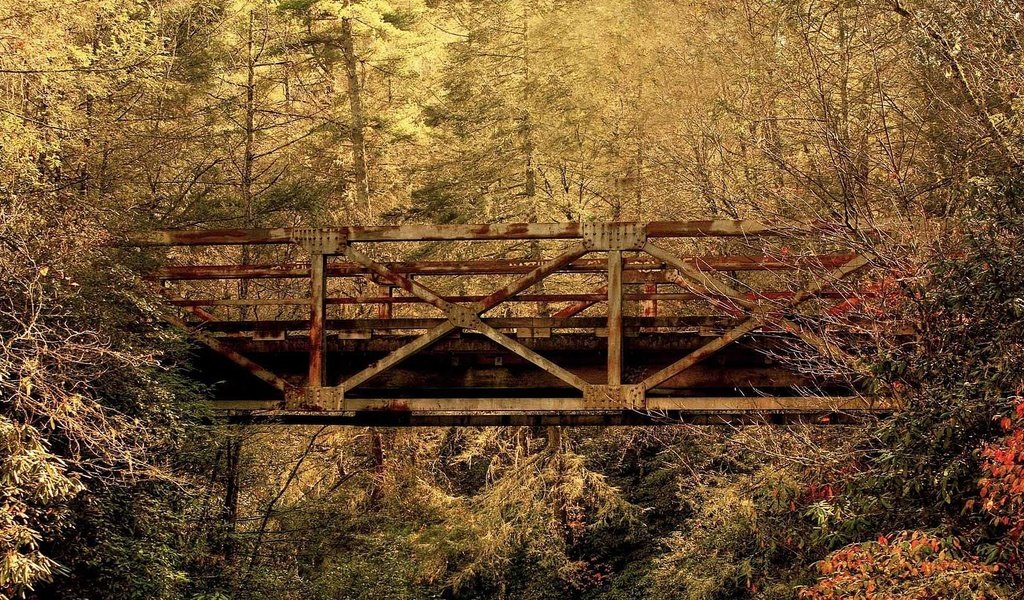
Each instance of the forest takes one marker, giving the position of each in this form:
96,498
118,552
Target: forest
119,116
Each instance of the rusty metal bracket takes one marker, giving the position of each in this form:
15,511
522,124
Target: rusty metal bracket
316,398
614,236
332,398
464,318
320,241
613,397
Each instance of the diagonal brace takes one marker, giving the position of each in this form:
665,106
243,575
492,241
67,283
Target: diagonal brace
514,346
530,279
399,355
258,370
758,314
463,317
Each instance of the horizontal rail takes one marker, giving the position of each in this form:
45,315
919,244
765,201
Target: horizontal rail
576,348
695,404
495,267
400,323
681,296
544,418
431,233
820,410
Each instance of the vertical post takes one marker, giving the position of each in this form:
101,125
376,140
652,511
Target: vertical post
384,309
317,318
231,485
649,308
614,317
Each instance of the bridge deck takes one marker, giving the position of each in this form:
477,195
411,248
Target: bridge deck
620,324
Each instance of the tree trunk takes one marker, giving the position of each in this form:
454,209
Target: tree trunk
230,509
358,126
530,172
554,438
245,181
378,452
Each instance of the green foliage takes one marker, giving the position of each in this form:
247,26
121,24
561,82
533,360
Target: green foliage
35,488
117,115
94,486
533,519
964,371
748,537
909,566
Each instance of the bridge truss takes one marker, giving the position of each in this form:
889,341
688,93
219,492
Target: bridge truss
621,323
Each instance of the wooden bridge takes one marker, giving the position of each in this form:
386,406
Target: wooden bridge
603,323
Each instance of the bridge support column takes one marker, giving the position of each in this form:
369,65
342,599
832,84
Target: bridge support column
649,307
385,311
614,317
317,319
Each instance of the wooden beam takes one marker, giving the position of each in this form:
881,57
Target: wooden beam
452,309
317,318
725,305
385,309
413,287
399,355
201,313
519,349
584,300
825,348
700,281
229,353
697,404
759,315
204,315
649,305
665,321
530,279
494,231
614,317
495,267
701,353
511,377
701,404
855,264
582,305
545,418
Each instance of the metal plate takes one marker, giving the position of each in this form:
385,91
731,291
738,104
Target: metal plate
614,236
607,397
320,241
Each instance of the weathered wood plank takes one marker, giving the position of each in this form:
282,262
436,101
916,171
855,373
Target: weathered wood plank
398,355
494,231
698,404
317,318
498,267
614,317
653,380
